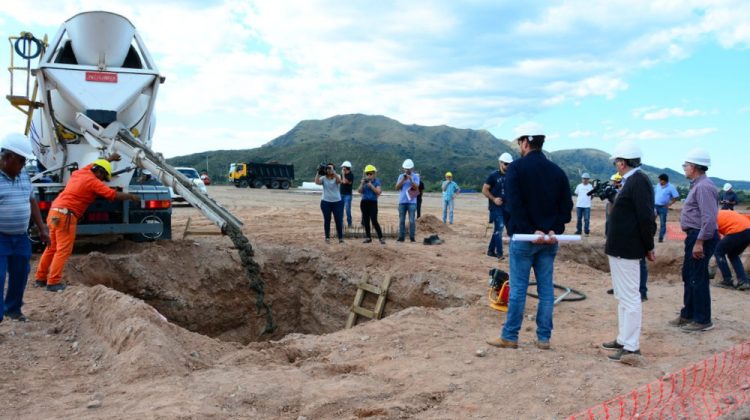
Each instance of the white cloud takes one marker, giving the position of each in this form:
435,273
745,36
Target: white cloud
650,134
580,134
529,127
664,113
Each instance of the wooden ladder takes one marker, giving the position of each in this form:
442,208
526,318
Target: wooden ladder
363,287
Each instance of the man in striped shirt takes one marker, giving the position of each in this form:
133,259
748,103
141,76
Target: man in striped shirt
17,206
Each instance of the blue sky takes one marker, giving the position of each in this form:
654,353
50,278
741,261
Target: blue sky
670,75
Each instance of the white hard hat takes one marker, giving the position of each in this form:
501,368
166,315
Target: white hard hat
727,187
18,144
346,164
627,150
585,175
699,156
505,157
408,164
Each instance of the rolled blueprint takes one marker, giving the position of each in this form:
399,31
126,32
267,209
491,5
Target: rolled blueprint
530,237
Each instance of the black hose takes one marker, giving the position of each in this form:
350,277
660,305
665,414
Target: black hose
28,40
581,295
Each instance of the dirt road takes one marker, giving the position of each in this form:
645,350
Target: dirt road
169,329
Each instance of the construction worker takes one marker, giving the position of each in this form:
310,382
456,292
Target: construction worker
698,221
408,186
370,189
84,186
727,197
17,205
630,238
494,189
583,204
735,229
665,194
450,191
345,189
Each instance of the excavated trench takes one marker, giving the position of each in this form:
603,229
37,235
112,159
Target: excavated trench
202,287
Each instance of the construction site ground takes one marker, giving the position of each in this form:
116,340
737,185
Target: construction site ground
169,329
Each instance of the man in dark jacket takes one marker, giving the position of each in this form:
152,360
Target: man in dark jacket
539,202
630,238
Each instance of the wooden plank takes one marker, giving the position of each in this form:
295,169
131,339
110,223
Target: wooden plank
364,312
358,297
370,288
380,304
187,226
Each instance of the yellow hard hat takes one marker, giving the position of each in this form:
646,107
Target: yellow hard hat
616,177
370,168
449,174
104,164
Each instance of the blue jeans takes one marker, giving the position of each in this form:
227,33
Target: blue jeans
697,297
15,254
496,241
585,213
644,278
337,209
661,211
732,246
347,199
523,257
448,206
402,209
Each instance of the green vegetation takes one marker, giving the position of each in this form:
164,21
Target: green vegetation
470,154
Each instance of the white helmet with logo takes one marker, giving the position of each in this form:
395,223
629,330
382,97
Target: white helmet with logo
699,157
18,144
627,150
505,157
346,164
408,164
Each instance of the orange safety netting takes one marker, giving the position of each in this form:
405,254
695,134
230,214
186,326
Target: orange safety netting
708,389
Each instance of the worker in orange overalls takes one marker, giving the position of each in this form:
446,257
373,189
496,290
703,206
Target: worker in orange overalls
84,186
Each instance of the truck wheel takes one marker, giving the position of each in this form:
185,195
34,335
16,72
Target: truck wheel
275,185
243,184
257,184
284,185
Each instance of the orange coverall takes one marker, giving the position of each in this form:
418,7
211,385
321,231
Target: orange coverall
81,191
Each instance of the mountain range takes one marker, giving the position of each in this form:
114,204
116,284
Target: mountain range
384,142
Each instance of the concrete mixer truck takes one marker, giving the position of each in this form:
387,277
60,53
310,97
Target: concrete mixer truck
89,92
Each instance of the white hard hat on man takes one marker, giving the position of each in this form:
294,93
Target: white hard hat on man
699,156
18,144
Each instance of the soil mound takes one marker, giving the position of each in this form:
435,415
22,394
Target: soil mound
429,224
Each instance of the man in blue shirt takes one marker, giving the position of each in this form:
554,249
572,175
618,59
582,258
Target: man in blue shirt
539,202
450,191
408,187
665,194
494,190
727,197
17,206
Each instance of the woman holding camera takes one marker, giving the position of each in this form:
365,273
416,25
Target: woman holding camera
331,202
370,190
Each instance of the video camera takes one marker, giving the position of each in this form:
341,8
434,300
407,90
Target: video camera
603,190
322,169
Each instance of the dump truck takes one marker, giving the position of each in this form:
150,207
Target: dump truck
256,175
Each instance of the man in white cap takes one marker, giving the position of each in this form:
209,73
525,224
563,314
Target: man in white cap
494,190
408,187
17,206
630,238
698,221
583,203
728,198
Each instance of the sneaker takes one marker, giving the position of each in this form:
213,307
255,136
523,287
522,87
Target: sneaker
400,240
16,316
412,240
744,286
328,240
577,233
679,321
503,343
501,258
491,254
543,345
620,353
694,327
612,345
725,285
341,241
40,283
59,287
367,241
644,298
611,291
382,241
661,240
587,234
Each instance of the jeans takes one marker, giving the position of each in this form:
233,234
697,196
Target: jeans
402,209
644,278
448,206
15,253
697,297
523,257
585,213
496,240
732,246
419,205
347,199
661,211
337,209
